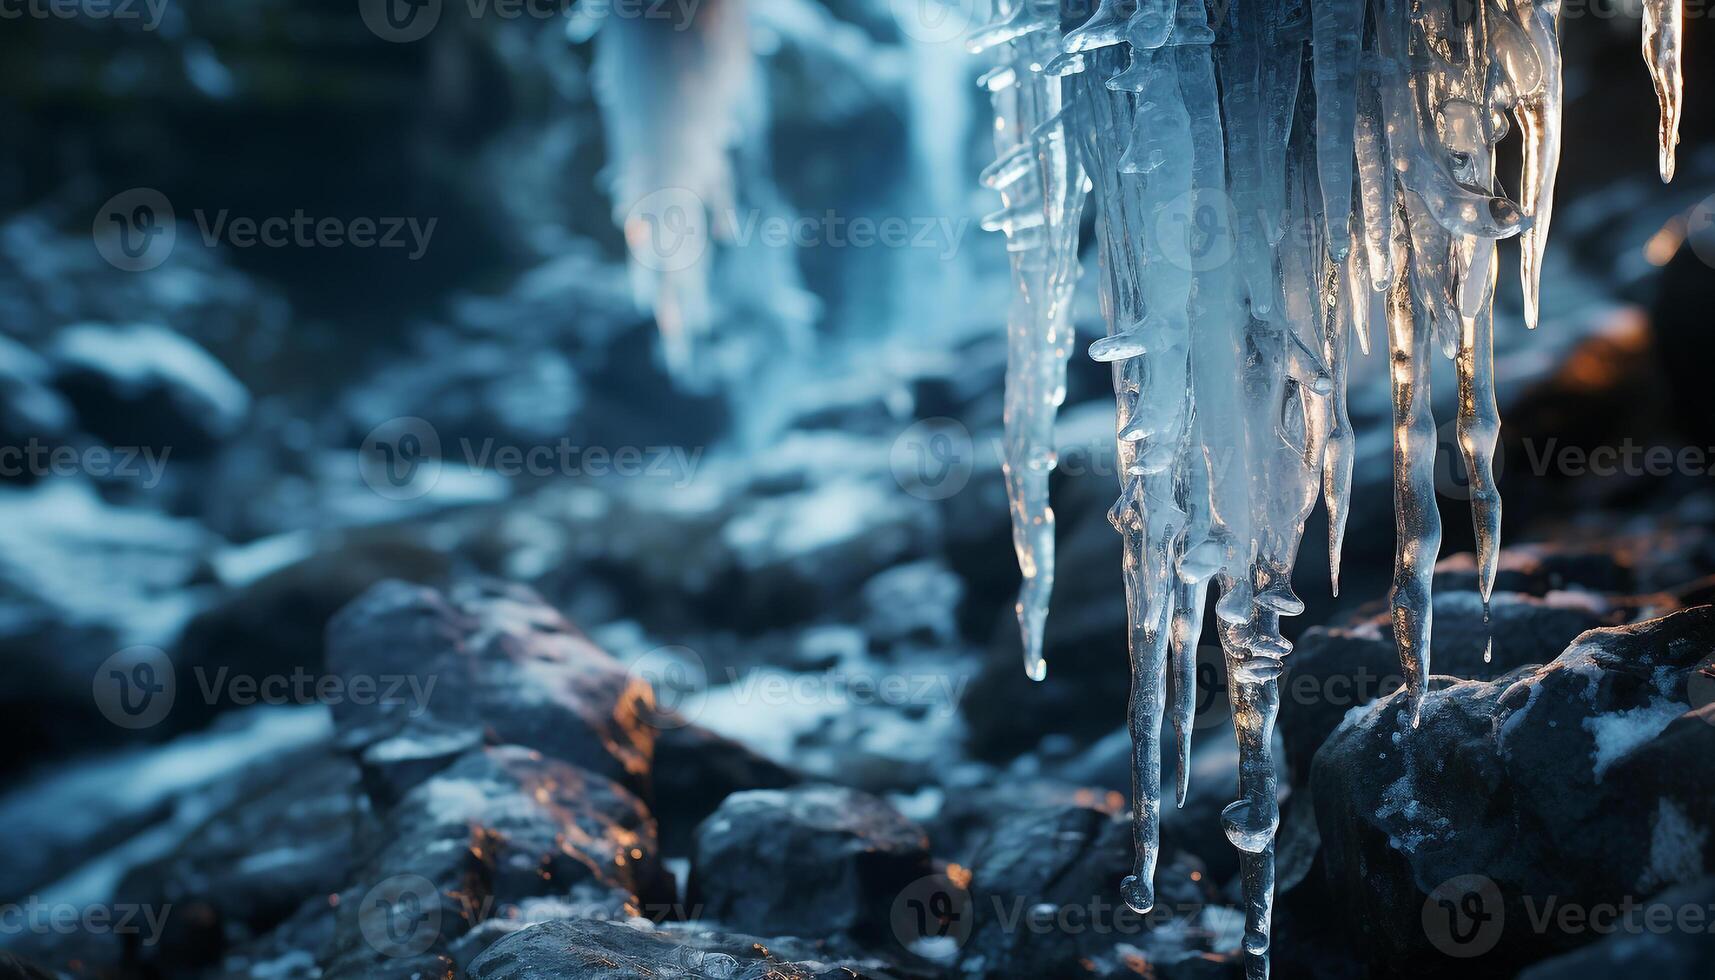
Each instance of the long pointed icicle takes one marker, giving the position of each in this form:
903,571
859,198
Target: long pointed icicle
1664,41
1257,218
1041,182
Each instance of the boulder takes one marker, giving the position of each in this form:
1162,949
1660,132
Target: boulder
473,842
487,659
810,861
1576,783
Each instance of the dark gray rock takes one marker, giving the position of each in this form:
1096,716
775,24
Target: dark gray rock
31,411
1538,569
144,385
695,769
1665,938
253,865
1332,671
1578,782
593,949
488,658
808,861
1044,902
498,827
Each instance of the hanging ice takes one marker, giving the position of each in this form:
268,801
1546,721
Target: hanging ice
1274,181
1041,183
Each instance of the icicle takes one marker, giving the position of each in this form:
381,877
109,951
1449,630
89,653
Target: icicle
1538,118
1041,180
1254,218
1664,37
1417,524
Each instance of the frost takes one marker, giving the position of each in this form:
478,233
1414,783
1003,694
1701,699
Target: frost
1618,733
1274,186
1676,848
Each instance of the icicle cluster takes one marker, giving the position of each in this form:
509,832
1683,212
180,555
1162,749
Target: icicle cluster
1272,179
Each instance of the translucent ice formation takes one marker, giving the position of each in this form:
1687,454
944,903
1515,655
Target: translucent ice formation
1274,182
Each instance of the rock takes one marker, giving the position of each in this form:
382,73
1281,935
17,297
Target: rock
594,949
808,861
498,827
1044,900
696,769
1538,569
485,658
915,603
1332,671
128,805
1578,782
81,580
252,865
143,385
32,413
1639,945
273,620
